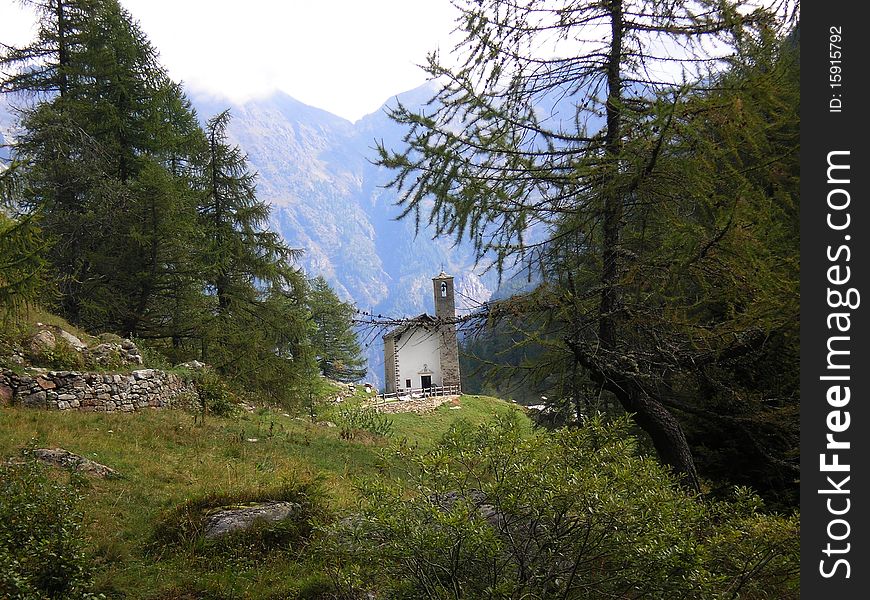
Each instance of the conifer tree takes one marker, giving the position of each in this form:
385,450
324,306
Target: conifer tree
50,63
22,263
558,117
335,343
239,248
84,146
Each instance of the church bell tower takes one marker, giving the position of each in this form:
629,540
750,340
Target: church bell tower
445,313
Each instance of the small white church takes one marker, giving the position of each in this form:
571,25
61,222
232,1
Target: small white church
424,352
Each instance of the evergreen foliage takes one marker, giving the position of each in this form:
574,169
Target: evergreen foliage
338,352
152,224
41,540
22,264
667,202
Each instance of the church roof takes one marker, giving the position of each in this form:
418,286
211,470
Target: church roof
420,320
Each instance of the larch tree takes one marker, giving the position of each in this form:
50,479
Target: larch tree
559,137
87,148
239,247
22,248
49,64
244,260
337,349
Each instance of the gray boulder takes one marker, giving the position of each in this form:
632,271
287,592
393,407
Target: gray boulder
41,341
74,342
193,365
224,520
68,460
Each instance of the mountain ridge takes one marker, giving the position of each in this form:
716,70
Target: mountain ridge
317,171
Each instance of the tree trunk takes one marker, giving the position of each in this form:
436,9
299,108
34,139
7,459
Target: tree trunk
651,415
62,54
612,216
664,430
666,434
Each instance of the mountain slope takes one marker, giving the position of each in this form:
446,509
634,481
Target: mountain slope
328,198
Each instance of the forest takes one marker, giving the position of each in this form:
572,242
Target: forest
630,170
125,213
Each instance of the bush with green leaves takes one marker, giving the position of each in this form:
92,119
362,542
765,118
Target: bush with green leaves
576,513
41,545
61,357
215,396
354,418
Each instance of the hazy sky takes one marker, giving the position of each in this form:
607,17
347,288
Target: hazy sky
345,56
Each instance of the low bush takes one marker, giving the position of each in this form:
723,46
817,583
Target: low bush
353,419
41,544
575,513
62,357
215,397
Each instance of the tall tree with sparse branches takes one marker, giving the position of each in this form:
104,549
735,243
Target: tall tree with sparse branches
559,137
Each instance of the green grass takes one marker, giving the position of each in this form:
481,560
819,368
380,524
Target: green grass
35,314
426,430
167,459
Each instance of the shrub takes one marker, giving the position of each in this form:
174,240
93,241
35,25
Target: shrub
62,357
215,396
41,547
360,418
573,513
152,357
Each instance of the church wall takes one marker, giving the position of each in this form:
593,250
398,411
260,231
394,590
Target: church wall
418,347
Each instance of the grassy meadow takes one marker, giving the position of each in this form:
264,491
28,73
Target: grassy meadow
169,457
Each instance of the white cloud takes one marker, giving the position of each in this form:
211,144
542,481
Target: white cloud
345,56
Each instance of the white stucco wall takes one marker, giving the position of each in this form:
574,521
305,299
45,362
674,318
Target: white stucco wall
418,347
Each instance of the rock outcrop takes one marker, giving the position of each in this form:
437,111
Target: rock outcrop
40,342
68,460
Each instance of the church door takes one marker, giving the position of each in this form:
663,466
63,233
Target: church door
425,381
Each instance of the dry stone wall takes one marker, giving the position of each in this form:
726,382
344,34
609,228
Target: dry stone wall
96,392
407,404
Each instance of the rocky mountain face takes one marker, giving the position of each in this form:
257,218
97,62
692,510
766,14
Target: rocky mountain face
7,123
329,199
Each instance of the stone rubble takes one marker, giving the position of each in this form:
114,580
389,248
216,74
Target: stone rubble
110,354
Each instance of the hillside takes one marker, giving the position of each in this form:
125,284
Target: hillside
342,502
239,450
168,457
315,171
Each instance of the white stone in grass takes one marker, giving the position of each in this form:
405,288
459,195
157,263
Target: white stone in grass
226,520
